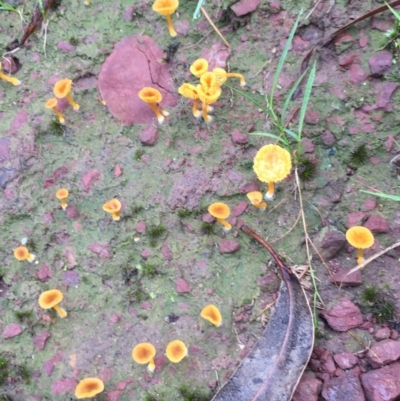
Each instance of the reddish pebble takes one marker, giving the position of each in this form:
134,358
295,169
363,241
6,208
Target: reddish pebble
240,208
149,135
71,212
182,286
141,227
12,330
40,340
117,170
228,246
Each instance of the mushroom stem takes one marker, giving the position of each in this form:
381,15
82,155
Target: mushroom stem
206,117
171,29
165,113
116,215
195,111
71,102
271,190
236,75
64,202
261,205
157,112
151,366
360,258
59,115
227,226
61,312
7,78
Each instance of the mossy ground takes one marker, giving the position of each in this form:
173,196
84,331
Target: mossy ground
118,300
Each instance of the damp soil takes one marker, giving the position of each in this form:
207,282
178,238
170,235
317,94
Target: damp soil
129,281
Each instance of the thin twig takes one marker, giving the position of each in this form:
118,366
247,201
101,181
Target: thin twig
213,25
290,229
373,257
313,9
198,42
263,310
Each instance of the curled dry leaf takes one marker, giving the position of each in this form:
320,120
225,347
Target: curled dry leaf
275,365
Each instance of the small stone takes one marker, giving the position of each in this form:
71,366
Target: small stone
328,138
128,14
308,389
228,246
394,334
44,272
345,360
240,208
383,352
312,117
63,385
355,219
114,318
145,254
377,224
357,74
40,340
340,388
369,205
141,227
382,334
344,316
347,280
89,178
12,330
274,7
117,170
244,7
300,45
149,135
147,305
71,212
182,286
102,250
65,46
307,145
166,251
380,63
239,138
71,278
329,242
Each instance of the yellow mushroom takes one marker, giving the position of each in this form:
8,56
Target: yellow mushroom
256,199
361,238
114,208
176,351
272,164
222,76
153,97
167,8
212,314
89,387
51,299
199,67
22,253
62,195
221,212
207,98
52,104
7,78
62,89
144,353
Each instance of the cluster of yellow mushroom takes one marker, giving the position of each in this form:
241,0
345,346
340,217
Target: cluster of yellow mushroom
208,90
62,89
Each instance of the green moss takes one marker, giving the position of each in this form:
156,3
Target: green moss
359,156
3,370
138,154
192,395
182,213
307,169
73,41
22,316
207,228
374,301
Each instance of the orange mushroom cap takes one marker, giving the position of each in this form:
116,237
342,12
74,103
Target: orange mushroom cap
176,351
165,7
212,314
208,81
209,96
221,75
49,299
112,206
62,88
188,90
143,353
51,103
21,253
255,197
360,237
219,210
89,387
62,193
150,95
272,163
199,67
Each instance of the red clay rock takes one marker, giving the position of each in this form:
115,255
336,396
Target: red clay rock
182,286
65,46
377,224
346,386
217,55
357,74
166,251
299,44
71,212
344,316
382,384
102,250
228,246
89,178
328,138
308,146
63,386
149,135
244,7
326,361
329,242
238,138
385,94
369,205
126,71
12,330
128,13
382,334
274,7
355,219
145,254
383,352
348,280
240,208
44,272
117,170
345,360
40,340
308,389
380,63
141,227
312,117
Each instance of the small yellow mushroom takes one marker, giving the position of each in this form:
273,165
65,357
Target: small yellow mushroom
221,212
167,8
7,78
52,104
62,89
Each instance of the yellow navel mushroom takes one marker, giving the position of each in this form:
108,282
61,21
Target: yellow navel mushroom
89,387
167,8
62,195
51,299
212,314
176,351
153,97
114,208
221,211
256,199
7,78
144,353
361,238
22,253
63,89
199,67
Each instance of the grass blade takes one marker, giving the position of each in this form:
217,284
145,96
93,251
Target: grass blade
292,134
394,12
383,195
306,98
269,135
283,58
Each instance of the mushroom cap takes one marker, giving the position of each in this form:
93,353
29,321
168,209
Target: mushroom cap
112,206
51,103
199,67
165,7
62,193
219,210
143,353
89,387
208,96
212,314
272,163
62,88
150,95
50,298
176,351
188,90
208,81
255,197
221,75
21,253
360,237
